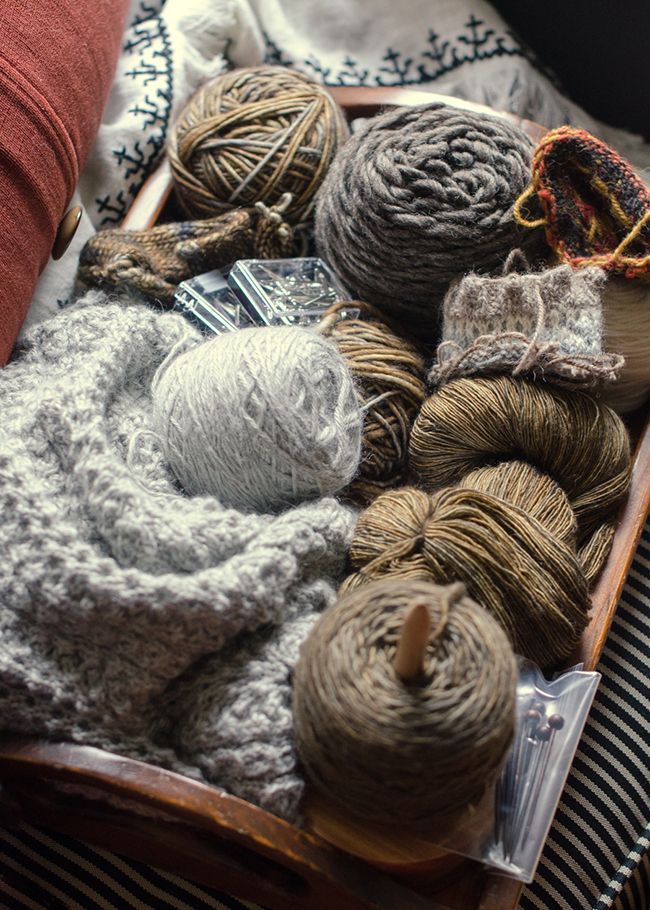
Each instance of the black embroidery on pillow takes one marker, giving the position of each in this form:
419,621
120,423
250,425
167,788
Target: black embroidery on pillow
273,55
476,42
146,11
114,207
149,44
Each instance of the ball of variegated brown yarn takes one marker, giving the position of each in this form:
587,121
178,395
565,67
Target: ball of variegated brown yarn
521,567
252,135
404,752
389,374
568,435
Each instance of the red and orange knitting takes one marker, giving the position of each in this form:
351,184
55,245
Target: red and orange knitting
594,208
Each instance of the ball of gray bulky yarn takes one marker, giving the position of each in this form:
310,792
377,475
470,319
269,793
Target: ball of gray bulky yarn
416,197
261,418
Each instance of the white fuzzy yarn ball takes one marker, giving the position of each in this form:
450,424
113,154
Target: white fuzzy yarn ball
261,418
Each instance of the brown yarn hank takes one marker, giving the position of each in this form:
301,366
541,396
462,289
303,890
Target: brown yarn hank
397,753
524,486
389,377
526,577
252,135
575,439
539,495
153,262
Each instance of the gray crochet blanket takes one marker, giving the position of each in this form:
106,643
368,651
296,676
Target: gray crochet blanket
133,617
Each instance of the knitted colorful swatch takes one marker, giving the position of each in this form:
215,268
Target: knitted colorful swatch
595,209
541,325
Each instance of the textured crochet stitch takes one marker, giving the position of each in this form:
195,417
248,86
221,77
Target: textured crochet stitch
133,617
543,325
594,208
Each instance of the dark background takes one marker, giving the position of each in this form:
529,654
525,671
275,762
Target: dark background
599,50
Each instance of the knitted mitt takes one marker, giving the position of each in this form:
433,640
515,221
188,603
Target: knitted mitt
542,325
595,209
154,261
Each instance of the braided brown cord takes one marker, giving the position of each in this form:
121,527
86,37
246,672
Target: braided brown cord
389,379
392,752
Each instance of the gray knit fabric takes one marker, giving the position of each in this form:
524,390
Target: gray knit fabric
544,325
133,617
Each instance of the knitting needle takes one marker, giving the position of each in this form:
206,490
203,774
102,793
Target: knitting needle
505,789
545,734
532,721
412,645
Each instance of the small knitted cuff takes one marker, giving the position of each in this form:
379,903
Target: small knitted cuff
542,325
153,262
594,208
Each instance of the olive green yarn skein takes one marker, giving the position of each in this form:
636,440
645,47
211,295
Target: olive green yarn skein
582,444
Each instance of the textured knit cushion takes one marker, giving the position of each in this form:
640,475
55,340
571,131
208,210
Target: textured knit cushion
56,65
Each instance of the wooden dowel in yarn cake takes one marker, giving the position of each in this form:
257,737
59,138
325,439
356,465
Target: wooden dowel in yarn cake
454,728
412,645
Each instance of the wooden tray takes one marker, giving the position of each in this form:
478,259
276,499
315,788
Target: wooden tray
197,831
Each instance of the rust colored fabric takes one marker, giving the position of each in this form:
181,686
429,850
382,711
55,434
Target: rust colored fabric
57,59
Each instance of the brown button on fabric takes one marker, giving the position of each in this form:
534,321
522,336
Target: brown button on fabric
67,230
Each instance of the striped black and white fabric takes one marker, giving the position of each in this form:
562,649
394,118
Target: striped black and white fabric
597,853
40,870
597,856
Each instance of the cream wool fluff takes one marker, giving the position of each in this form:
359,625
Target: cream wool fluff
119,594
